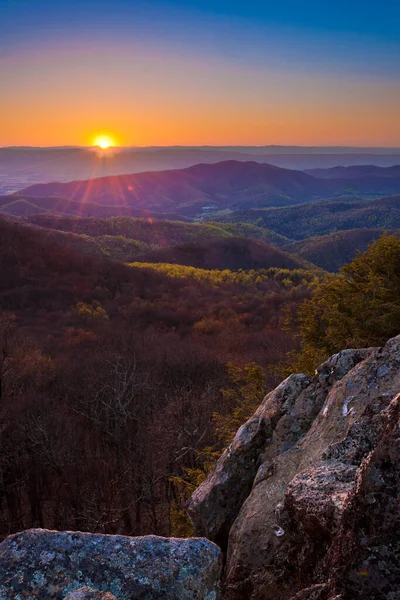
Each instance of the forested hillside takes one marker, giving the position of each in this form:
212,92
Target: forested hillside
227,253
155,232
99,359
320,218
126,239
332,251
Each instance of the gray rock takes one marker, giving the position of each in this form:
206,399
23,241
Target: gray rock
216,503
316,496
301,451
87,593
53,565
365,556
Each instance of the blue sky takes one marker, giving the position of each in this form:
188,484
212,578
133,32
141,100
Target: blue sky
343,51
365,25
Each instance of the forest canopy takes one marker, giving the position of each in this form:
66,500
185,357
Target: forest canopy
360,307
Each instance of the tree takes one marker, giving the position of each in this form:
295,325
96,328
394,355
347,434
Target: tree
6,331
245,392
243,396
360,307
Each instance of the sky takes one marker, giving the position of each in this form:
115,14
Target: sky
210,72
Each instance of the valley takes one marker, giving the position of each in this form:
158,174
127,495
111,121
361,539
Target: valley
127,315
199,300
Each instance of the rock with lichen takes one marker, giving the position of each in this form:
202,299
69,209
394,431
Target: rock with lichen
278,497
50,564
87,593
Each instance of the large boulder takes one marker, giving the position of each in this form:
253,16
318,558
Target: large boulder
52,565
276,499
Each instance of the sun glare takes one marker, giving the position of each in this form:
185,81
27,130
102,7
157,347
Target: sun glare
103,142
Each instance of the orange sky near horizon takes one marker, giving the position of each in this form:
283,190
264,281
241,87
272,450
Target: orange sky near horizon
156,97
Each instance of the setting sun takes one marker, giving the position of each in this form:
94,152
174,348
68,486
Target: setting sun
103,142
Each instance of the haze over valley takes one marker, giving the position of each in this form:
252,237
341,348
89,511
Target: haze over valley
23,166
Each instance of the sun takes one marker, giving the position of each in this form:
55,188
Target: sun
103,142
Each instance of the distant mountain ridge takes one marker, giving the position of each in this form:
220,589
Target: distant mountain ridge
320,218
23,166
356,171
210,188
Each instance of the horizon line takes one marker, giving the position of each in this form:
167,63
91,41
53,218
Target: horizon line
203,146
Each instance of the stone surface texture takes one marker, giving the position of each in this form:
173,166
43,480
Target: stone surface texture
87,593
304,499
55,565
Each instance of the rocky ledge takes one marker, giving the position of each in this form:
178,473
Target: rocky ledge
305,501
82,566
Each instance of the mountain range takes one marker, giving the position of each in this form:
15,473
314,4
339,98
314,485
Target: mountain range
247,215
22,166
206,189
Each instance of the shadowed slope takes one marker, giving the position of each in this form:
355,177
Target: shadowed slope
330,252
227,253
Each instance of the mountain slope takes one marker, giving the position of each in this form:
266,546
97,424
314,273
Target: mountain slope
320,218
21,206
227,253
207,188
155,232
332,251
24,166
356,171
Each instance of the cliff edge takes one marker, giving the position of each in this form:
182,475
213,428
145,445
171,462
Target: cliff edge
305,499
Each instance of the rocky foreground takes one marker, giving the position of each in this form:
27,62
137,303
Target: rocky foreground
306,499
83,566
305,504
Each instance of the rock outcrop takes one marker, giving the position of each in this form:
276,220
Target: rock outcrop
81,566
304,499
304,503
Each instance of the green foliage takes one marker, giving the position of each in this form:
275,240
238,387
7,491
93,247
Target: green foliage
91,312
181,526
185,485
244,394
246,230
319,218
254,278
79,384
333,251
125,238
358,308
